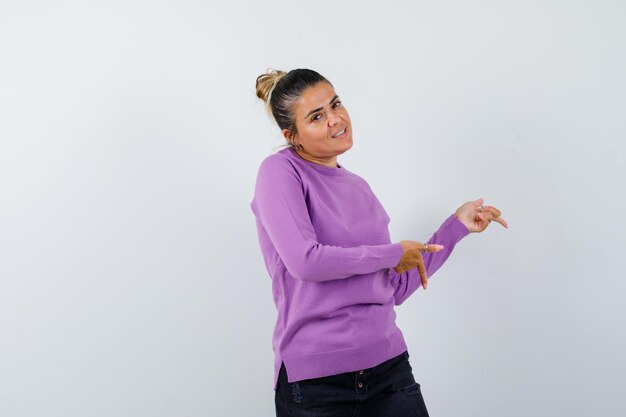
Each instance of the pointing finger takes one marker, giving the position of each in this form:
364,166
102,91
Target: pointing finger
492,210
494,214
501,221
422,271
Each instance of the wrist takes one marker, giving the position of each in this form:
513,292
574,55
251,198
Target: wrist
459,225
400,263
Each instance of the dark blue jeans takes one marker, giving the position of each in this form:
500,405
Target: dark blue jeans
386,390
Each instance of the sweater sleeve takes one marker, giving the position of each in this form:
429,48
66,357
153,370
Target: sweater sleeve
448,235
280,205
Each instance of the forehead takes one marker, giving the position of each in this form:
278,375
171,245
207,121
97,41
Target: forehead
314,97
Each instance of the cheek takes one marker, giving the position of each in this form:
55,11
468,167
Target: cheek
314,133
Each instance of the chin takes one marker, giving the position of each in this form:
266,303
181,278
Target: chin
346,148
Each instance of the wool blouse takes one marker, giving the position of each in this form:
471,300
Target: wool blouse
325,242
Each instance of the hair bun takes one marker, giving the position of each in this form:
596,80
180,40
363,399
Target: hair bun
265,83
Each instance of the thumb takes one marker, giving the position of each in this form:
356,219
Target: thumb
479,202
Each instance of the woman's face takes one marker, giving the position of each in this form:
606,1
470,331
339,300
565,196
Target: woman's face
322,124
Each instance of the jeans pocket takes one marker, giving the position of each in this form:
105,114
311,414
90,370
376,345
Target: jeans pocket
408,387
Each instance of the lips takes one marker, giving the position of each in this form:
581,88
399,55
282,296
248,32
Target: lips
340,134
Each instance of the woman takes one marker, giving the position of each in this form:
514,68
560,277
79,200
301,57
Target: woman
336,275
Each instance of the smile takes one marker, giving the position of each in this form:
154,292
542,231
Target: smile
341,134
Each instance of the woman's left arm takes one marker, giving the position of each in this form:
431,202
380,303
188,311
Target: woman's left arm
471,217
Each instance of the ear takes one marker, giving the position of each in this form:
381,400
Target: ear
289,138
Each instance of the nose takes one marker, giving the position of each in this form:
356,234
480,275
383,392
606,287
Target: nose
333,119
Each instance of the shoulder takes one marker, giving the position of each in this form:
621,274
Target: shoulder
278,171
277,165
278,160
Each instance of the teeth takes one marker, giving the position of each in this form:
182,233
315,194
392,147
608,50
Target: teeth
339,133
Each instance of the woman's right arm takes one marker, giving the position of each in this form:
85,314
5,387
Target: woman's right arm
279,203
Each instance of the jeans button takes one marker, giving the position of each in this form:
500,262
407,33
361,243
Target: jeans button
361,372
360,385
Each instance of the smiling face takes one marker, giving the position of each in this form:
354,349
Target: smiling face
323,127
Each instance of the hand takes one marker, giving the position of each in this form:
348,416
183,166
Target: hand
412,257
477,217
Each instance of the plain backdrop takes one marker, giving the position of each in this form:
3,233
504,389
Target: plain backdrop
131,280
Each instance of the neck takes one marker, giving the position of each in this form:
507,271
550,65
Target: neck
329,162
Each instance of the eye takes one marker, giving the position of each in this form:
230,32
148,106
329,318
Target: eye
336,104
316,117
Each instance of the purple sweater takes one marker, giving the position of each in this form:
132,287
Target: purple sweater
325,242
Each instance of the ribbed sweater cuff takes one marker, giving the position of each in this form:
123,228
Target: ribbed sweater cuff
391,255
455,227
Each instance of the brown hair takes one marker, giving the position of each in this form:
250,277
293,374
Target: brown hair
280,91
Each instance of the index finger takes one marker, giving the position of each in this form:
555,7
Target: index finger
501,221
495,215
490,209
422,271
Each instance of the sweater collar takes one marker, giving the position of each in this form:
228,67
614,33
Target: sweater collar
340,170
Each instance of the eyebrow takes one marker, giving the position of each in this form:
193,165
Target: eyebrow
320,108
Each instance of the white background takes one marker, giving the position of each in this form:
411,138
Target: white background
131,281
